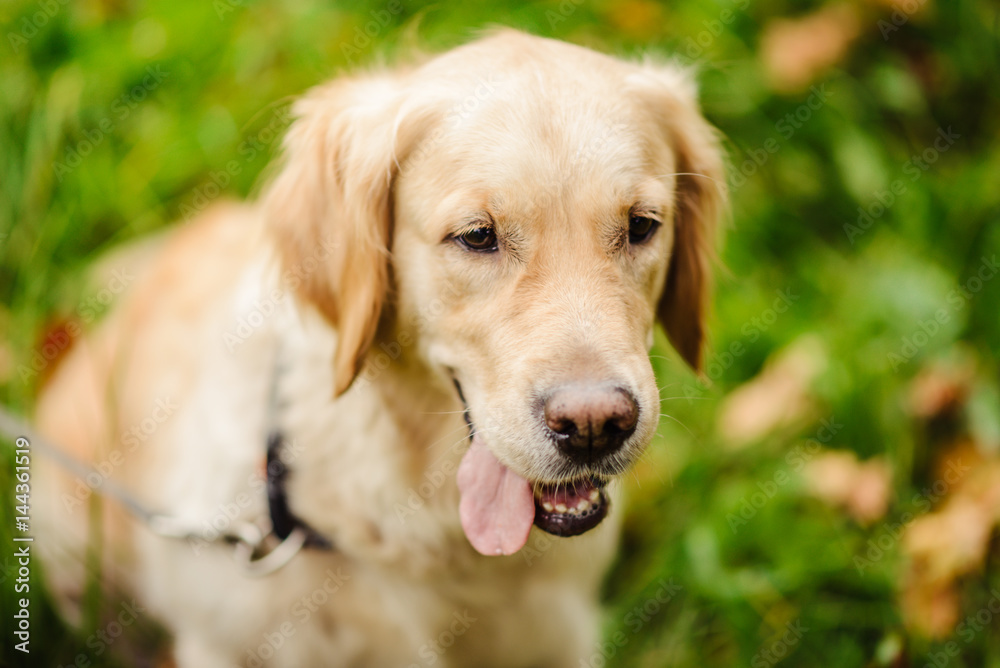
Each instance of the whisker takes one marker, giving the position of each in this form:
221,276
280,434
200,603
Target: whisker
672,398
450,447
663,387
635,477
680,423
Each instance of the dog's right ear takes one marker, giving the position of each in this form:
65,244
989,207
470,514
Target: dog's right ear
700,200
329,210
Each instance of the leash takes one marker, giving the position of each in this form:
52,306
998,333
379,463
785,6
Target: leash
257,552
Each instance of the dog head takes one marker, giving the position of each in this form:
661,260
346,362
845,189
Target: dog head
534,208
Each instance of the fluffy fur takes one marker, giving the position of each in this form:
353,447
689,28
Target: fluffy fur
346,276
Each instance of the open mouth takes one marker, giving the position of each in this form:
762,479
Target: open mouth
570,509
498,506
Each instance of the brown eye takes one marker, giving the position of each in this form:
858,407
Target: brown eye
641,228
482,239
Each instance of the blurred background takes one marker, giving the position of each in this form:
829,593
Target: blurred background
829,493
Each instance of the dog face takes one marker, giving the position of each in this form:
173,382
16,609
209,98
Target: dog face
536,207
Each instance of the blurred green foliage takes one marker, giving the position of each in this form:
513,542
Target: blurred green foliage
118,117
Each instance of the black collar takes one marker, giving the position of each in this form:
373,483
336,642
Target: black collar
283,521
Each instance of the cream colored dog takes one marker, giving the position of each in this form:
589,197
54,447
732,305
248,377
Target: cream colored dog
479,246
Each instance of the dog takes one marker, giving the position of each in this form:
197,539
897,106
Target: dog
442,304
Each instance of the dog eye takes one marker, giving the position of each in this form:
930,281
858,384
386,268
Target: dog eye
641,228
482,239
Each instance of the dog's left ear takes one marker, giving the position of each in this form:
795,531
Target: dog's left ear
699,202
329,210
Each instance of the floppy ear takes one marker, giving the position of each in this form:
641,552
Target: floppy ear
329,209
700,201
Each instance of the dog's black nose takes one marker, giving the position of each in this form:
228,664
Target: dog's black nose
590,421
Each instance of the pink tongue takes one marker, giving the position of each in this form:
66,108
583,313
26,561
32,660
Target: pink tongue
497,507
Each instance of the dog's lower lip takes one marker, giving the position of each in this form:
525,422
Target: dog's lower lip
588,502
570,509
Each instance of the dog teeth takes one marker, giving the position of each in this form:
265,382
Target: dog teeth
581,505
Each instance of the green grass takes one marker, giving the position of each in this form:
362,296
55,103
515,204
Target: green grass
158,145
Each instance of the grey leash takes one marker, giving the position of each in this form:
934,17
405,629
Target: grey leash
13,427
249,539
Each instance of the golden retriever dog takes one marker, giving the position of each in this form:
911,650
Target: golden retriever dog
443,305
